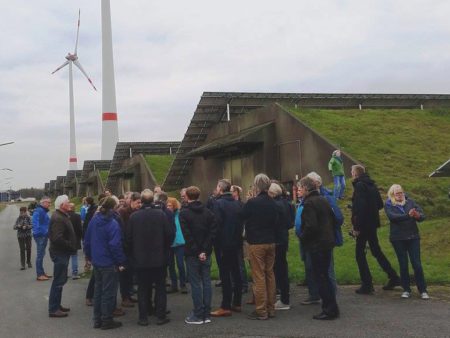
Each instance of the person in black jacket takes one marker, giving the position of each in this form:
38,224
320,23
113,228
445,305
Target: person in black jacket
226,211
317,237
366,203
62,245
77,228
286,222
148,237
260,215
199,230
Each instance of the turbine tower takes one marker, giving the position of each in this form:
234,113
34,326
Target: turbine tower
110,129
73,59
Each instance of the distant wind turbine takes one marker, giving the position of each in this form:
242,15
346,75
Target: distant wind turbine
73,59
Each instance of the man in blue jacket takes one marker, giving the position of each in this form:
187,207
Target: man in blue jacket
41,221
103,247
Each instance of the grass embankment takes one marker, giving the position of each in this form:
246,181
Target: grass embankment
104,176
159,165
396,146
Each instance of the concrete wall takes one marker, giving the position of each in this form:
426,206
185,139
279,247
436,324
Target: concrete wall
290,150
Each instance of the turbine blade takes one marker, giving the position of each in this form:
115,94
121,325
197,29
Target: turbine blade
62,66
78,31
77,63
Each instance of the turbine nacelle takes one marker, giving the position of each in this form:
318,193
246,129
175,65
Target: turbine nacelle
71,57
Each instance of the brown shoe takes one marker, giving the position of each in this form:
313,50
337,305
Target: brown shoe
221,313
236,308
127,303
118,312
89,302
48,276
58,314
64,309
42,278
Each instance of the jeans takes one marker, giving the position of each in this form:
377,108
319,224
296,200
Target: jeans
60,264
321,263
231,273
311,282
25,248
262,259
41,245
106,283
177,253
339,186
91,287
371,237
411,248
74,260
281,272
199,275
146,279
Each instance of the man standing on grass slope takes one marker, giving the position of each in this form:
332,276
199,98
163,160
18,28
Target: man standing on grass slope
62,246
336,166
40,223
366,203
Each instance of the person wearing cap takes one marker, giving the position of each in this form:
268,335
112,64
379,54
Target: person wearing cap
103,247
62,245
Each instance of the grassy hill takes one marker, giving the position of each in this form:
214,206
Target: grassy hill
396,146
159,165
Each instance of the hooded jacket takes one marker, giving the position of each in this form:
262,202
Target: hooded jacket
103,241
403,226
336,166
366,203
229,225
148,238
199,228
285,220
40,221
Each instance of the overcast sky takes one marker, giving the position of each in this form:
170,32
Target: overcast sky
167,53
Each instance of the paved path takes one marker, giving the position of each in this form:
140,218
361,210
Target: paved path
23,310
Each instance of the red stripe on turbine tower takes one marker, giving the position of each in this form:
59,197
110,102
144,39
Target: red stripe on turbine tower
73,159
109,117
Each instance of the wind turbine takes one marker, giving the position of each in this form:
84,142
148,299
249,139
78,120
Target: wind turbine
73,59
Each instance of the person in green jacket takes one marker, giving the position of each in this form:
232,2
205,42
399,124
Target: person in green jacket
336,166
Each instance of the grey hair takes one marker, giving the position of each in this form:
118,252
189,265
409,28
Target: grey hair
315,177
308,183
147,196
61,199
224,185
275,190
261,183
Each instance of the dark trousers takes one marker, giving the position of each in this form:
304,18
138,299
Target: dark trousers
218,254
60,264
321,263
370,236
106,282
25,248
231,273
126,282
243,269
146,278
177,254
91,287
281,272
411,248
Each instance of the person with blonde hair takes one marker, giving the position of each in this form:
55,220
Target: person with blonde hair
177,249
403,214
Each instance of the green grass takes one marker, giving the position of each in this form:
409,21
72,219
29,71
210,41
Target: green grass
104,176
159,165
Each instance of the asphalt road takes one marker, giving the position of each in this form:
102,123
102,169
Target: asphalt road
23,310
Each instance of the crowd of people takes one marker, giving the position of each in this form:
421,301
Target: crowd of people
144,238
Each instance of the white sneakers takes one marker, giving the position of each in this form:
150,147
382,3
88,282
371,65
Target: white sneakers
423,295
406,294
279,305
